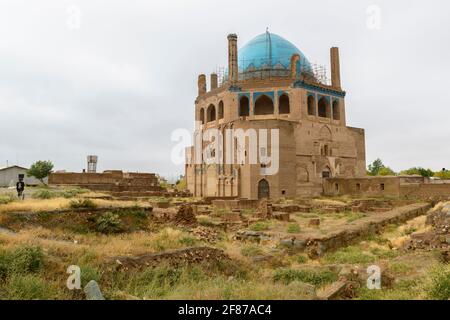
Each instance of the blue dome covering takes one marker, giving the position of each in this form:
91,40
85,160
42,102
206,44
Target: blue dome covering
270,51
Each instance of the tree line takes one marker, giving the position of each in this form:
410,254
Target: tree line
377,168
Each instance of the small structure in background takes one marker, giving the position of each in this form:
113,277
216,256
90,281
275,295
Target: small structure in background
116,182
92,164
110,180
9,177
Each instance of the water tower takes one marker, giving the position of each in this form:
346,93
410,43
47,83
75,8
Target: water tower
92,164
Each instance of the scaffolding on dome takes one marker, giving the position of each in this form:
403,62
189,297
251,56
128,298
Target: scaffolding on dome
269,69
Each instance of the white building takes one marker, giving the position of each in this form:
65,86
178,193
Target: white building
9,176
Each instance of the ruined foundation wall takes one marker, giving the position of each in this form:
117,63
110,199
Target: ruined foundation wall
425,190
373,186
108,181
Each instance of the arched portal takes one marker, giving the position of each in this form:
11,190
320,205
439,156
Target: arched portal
336,110
264,105
263,189
324,108
284,106
311,105
220,113
202,116
244,107
211,113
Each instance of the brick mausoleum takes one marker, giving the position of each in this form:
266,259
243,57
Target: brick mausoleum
270,84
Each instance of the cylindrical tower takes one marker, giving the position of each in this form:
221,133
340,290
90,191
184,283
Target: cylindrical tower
213,81
232,59
335,68
201,84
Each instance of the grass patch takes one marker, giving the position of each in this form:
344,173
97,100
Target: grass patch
169,239
251,251
7,198
354,216
45,194
22,260
205,221
381,253
260,226
390,294
82,204
109,223
314,277
439,286
301,259
349,255
400,267
409,231
89,273
188,241
293,228
28,287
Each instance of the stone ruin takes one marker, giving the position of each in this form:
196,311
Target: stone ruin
436,239
173,258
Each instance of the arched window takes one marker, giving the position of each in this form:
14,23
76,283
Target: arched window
211,113
326,151
311,105
326,172
202,116
244,107
264,105
324,108
325,134
220,116
263,189
302,175
283,102
336,110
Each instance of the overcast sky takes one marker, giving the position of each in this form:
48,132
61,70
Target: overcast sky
120,79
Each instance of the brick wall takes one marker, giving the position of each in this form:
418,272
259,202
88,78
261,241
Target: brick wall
108,181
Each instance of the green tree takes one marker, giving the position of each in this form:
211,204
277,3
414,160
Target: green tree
40,170
419,171
375,167
444,174
386,171
181,184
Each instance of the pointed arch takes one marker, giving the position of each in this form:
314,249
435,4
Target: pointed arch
202,116
264,105
325,133
302,174
336,110
311,105
244,107
283,104
211,113
263,189
324,108
220,111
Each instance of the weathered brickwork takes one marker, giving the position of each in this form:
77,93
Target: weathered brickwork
315,141
117,181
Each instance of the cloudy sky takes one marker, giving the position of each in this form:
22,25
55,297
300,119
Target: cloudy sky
115,78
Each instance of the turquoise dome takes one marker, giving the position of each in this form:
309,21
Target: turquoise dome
270,51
